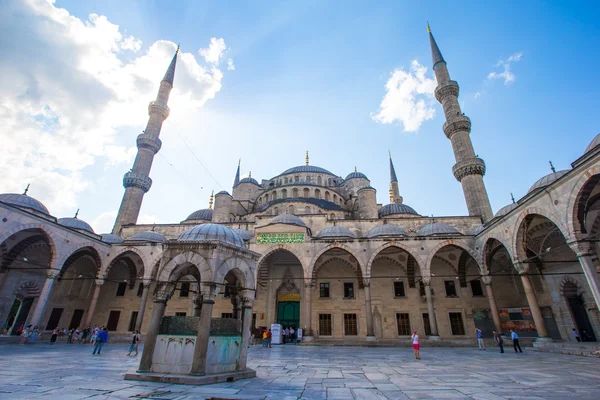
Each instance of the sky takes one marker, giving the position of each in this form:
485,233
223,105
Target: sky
267,81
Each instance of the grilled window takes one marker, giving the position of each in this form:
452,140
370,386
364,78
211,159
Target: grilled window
399,289
121,287
185,289
403,323
350,325
476,288
456,323
348,290
324,290
450,288
325,326
426,325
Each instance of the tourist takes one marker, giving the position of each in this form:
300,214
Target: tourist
416,345
515,339
100,340
285,333
70,337
76,335
498,339
292,335
35,333
84,334
269,338
480,339
54,336
95,332
25,334
134,343
576,335
265,339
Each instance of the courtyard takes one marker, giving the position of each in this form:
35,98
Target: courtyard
296,372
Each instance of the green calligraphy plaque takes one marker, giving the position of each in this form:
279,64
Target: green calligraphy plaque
279,238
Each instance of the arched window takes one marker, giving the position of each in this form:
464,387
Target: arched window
276,210
285,180
291,209
307,210
329,182
332,216
335,198
306,192
296,178
327,196
317,194
319,181
295,192
284,193
274,195
266,198
308,178
259,200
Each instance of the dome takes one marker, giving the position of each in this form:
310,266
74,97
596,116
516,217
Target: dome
244,234
110,238
547,180
288,219
505,210
223,192
335,232
148,236
212,232
477,230
386,230
306,168
75,223
365,188
249,180
202,215
395,208
355,174
437,228
24,201
595,142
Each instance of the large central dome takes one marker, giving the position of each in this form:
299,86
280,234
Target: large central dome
306,168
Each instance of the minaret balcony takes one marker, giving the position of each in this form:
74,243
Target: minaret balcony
470,166
148,141
449,89
133,179
458,123
156,108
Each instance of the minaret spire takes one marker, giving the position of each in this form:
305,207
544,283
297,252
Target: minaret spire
394,191
137,181
469,168
306,157
211,199
236,180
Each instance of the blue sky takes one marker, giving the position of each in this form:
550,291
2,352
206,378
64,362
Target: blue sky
311,76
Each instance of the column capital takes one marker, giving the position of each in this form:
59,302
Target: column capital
146,282
208,291
99,282
583,248
486,279
367,282
163,292
52,274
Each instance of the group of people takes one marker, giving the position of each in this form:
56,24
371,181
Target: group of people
288,335
29,334
499,341
584,337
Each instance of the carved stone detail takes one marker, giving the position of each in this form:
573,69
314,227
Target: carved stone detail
460,123
450,89
158,109
137,180
470,166
582,249
147,141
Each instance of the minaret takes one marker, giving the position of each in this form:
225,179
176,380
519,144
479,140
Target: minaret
236,180
394,192
469,169
137,181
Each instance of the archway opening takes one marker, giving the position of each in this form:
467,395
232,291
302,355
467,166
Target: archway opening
578,311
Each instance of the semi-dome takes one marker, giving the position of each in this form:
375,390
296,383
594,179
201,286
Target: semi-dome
395,208
437,228
250,180
386,230
288,219
111,238
505,210
24,201
148,236
547,180
212,232
335,232
595,142
201,215
355,175
244,234
223,192
75,223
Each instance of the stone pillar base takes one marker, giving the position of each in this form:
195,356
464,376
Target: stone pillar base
182,379
434,337
307,339
371,338
544,339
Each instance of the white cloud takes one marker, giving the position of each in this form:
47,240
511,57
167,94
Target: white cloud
214,52
230,66
67,94
409,98
506,74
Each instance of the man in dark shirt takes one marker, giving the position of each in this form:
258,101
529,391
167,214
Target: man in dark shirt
498,339
102,338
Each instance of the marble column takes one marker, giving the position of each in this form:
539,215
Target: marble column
487,280
40,306
162,294
140,317
538,318
92,307
246,299
432,320
585,252
201,349
368,310
307,309
236,306
197,306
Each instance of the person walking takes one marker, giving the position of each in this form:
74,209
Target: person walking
265,339
515,340
95,332
54,336
498,339
416,345
292,335
576,335
34,335
134,343
25,334
269,338
480,339
100,340
70,337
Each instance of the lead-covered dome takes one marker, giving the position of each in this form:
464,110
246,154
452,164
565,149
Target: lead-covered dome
223,192
75,223
335,232
396,208
306,168
24,201
386,230
201,215
356,175
505,210
212,232
288,219
244,234
595,142
111,238
249,180
547,180
148,236
437,228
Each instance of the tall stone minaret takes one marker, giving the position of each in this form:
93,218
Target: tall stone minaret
137,181
394,192
236,180
469,169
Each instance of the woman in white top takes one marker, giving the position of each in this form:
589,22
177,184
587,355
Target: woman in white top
416,345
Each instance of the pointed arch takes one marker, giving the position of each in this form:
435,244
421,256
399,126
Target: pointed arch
577,201
387,246
83,250
341,246
517,246
445,243
173,268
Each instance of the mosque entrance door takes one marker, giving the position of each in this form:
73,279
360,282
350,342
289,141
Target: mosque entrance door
22,314
288,313
581,318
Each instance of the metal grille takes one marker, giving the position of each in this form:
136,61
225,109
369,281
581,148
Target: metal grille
350,325
426,324
456,323
325,324
403,323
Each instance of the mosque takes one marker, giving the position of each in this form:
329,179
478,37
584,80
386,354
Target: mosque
312,249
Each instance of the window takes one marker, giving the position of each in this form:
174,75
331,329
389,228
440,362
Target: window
348,290
329,181
332,216
296,178
476,288
308,178
306,210
113,320
324,290
140,289
121,287
335,198
273,196
180,314
399,289
291,210
285,181
132,321
306,192
403,323
284,193
54,318
227,315
317,194
185,289
350,325
450,288
295,192
327,196
319,181
426,325
325,327
456,323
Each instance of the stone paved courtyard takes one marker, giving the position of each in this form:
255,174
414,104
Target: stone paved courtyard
295,372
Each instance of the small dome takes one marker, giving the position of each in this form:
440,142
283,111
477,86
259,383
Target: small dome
595,142
547,180
354,175
437,228
24,201
148,236
110,238
395,208
212,232
306,168
366,188
244,234
505,210
386,230
200,215
288,219
75,223
223,192
250,180
477,230
335,232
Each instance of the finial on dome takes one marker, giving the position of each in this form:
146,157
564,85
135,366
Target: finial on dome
76,213
355,170
306,157
552,167
153,226
512,198
250,174
26,189
210,201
